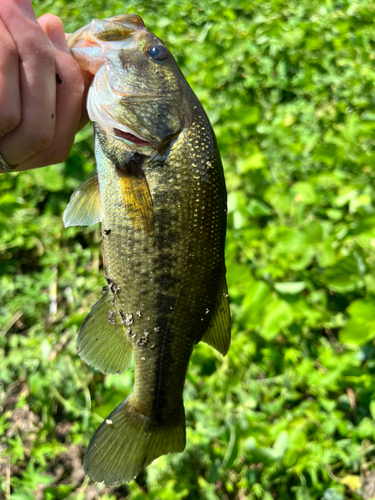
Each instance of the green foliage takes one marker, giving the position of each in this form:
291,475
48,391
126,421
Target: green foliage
290,412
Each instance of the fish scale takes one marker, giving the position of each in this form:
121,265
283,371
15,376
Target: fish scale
160,196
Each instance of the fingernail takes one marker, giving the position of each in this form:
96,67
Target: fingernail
26,8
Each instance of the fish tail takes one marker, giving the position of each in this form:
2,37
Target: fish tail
127,441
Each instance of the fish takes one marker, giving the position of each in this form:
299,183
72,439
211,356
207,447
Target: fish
159,194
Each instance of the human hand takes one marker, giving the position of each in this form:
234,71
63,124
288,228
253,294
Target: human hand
40,112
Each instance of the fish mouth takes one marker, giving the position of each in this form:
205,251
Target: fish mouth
89,44
130,137
101,32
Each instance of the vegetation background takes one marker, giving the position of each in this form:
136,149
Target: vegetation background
290,411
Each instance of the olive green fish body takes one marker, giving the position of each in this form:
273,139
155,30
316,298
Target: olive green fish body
166,278
162,205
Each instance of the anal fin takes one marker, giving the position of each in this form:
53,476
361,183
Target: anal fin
101,342
218,332
84,206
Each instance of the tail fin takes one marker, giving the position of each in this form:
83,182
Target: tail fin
127,441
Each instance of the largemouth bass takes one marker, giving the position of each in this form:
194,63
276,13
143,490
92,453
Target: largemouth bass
160,196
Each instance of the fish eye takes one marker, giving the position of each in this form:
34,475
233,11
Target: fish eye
157,52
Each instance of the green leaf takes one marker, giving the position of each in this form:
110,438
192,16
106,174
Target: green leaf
291,287
257,209
6,230
253,160
277,316
343,276
303,192
361,326
49,178
372,409
281,444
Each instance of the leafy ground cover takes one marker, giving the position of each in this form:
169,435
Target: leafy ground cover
289,412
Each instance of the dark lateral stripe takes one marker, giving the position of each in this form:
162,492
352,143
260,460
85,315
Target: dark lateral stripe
165,281
165,361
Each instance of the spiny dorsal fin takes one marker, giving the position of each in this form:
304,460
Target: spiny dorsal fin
218,332
102,340
84,206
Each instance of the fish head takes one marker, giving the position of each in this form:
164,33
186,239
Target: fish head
138,94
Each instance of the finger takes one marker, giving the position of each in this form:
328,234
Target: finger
37,80
70,98
10,96
54,29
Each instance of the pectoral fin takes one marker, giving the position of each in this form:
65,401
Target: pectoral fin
218,332
137,196
102,340
84,206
